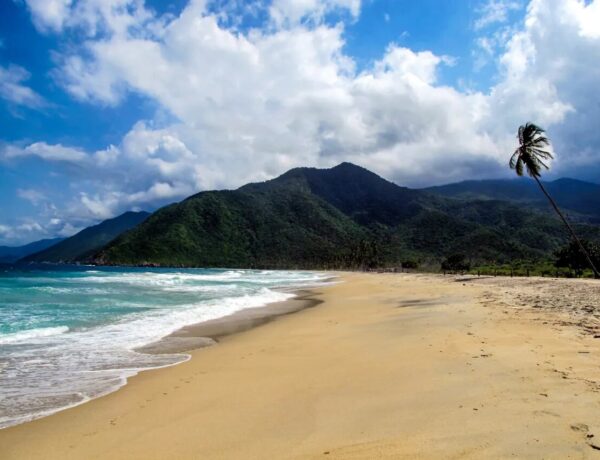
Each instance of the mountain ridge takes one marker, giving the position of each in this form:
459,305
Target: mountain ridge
338,217
85,243
9,254
579,198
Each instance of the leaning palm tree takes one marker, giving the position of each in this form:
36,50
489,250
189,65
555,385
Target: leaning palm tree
531,155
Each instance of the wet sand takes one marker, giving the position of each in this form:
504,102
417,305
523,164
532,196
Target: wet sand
387,366
209,333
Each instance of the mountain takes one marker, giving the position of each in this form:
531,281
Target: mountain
340,217
9,254
88,241
355,191
581,200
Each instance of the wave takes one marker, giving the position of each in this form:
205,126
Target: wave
111,314
32,334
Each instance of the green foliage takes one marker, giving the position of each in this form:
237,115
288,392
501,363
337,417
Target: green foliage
572,257
88,241
410,263
456,263
344,217
532,152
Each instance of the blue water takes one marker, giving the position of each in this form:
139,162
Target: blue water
69,334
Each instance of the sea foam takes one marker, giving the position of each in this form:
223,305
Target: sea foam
70,336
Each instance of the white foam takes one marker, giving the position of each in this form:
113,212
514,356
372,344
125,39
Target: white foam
51,369
32,334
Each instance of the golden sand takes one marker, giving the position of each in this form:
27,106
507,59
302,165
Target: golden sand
388,366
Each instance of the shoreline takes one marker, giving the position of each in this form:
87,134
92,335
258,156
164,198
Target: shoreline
194,336
388,366
204,334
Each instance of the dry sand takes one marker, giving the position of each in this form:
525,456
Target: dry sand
388,366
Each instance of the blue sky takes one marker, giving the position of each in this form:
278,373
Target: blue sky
112,105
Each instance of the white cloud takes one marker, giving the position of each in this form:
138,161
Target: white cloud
250,105
292,12
47,152
20,233
30,227
90,17
550,75
495,11
49,14
14,91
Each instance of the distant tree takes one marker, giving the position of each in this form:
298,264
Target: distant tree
570,256
531,156
456,263
410,263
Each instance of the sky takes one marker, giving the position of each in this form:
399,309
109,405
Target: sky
115,105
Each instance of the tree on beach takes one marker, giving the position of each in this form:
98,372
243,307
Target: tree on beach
456,263
531,156
571,256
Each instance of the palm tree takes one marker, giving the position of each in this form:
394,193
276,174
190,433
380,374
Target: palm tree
531,155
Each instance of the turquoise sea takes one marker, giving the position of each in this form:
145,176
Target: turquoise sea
68,334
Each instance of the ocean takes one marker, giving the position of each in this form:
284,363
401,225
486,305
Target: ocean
68,333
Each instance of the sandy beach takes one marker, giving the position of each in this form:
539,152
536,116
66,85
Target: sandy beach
385,366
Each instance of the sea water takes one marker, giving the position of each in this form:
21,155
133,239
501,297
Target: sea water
69,334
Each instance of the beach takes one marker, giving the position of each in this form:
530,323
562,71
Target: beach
380,366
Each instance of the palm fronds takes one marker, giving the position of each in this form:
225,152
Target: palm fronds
532,154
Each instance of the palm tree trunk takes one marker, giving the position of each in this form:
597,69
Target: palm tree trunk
577,240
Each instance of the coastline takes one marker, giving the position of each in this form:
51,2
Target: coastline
388,366
208,333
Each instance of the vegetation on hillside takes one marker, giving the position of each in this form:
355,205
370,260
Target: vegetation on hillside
343,217
88,241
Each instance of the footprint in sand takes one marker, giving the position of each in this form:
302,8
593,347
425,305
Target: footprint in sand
589,436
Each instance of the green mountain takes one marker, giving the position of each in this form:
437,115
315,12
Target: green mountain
579,198
9,254
340,217
87,242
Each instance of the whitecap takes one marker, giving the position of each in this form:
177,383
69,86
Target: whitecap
32,334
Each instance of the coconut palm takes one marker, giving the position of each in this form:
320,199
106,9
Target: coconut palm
532,155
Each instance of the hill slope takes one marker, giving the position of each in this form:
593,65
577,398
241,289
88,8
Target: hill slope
339,217
283,228
9,254
581,199
88,241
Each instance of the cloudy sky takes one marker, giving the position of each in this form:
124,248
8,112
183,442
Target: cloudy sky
113,105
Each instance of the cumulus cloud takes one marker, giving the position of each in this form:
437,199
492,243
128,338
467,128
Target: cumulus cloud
251,104
49,14
90,17
149,167
551,66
